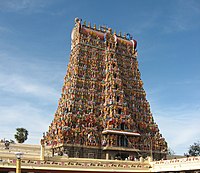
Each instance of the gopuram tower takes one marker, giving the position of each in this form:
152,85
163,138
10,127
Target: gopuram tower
103,111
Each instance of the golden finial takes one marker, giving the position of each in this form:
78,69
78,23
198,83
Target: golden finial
84,23
77,20
124,35
89,25
95,27
110,30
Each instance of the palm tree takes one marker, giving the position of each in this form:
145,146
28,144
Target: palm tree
21,135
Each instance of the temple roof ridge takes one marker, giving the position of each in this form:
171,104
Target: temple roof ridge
104,29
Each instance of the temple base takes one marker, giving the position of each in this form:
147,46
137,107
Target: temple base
106,152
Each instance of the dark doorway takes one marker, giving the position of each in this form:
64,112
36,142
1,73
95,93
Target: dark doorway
122,126
123,141
121,156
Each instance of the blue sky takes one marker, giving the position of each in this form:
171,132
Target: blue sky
35,47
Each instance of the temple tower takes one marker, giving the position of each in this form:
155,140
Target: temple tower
103,111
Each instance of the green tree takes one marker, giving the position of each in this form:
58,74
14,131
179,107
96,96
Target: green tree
170,152
21,135
194,149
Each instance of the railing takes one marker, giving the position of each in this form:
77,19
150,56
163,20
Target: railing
189,163
79,164
182,160
19,147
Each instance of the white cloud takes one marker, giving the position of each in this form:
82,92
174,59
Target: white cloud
28,96
28,5
176,110
4,29
184,16
35,120
21,85
21,77
179,125
142,26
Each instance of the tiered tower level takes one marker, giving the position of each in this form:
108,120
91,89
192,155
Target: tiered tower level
103,111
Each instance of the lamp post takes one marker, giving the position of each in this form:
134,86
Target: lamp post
18,162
